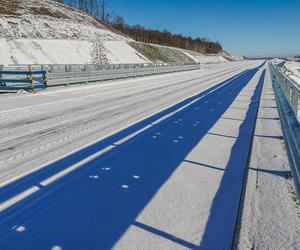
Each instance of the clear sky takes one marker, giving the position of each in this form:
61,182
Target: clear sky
244,27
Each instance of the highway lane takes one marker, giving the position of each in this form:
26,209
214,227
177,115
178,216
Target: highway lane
160,186
34,130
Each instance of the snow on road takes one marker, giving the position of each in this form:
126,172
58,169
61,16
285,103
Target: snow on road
37,129
271,212
170,180
290,68
293,71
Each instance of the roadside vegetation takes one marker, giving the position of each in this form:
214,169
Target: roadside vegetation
100,10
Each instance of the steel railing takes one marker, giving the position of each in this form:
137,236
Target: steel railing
287,97
59,74
25,78
290,88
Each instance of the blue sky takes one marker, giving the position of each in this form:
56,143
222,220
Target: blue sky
244,27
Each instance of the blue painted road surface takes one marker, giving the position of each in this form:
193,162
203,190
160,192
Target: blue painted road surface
171,181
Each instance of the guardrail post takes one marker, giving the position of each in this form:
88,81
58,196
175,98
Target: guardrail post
298,110
30,78
1,69
45,78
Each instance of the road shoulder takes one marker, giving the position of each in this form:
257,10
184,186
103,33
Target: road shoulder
271,214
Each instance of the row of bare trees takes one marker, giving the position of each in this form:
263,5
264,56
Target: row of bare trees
95,8
141,34
100,10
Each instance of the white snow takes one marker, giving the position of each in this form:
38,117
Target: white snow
180,212
50,20
205,59
110,96
165,184
293,70
290,68
121,52
271,215
277,61
53,51
35,51
44,32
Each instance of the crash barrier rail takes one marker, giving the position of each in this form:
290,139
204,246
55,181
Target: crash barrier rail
25,78
59,74
287,94
290,88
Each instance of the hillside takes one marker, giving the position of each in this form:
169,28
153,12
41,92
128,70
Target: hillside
158,53
49,20
47,32
33,31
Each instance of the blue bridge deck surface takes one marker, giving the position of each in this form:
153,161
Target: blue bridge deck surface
155,188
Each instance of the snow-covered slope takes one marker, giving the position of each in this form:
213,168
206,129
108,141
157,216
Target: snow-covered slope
47,32
42,19
292,70
201,58
160,53
42,31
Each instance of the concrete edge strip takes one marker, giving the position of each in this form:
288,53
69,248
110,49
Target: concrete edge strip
236,234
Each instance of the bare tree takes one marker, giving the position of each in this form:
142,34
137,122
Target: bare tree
104,9
100,10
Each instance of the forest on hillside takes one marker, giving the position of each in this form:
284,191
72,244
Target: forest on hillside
101,11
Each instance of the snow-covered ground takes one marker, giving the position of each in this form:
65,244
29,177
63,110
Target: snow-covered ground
45,32
122,52
43,19
293,71
53,51
38,31
277,61
289,68
206,59
170,180
25,117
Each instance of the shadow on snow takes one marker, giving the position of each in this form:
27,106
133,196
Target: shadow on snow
224,210
93,206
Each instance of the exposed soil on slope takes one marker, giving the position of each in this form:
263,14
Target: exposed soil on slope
10,7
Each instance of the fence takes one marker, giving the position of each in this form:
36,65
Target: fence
22,78
290,88
59,74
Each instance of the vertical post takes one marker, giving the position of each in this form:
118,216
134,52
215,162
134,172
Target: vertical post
298,105
1,69
30,77
45,78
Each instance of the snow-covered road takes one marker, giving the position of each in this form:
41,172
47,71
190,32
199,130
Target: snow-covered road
149,163
37,129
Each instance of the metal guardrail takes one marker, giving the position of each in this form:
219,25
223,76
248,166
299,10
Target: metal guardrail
28,79
287,98
290,88
59,74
